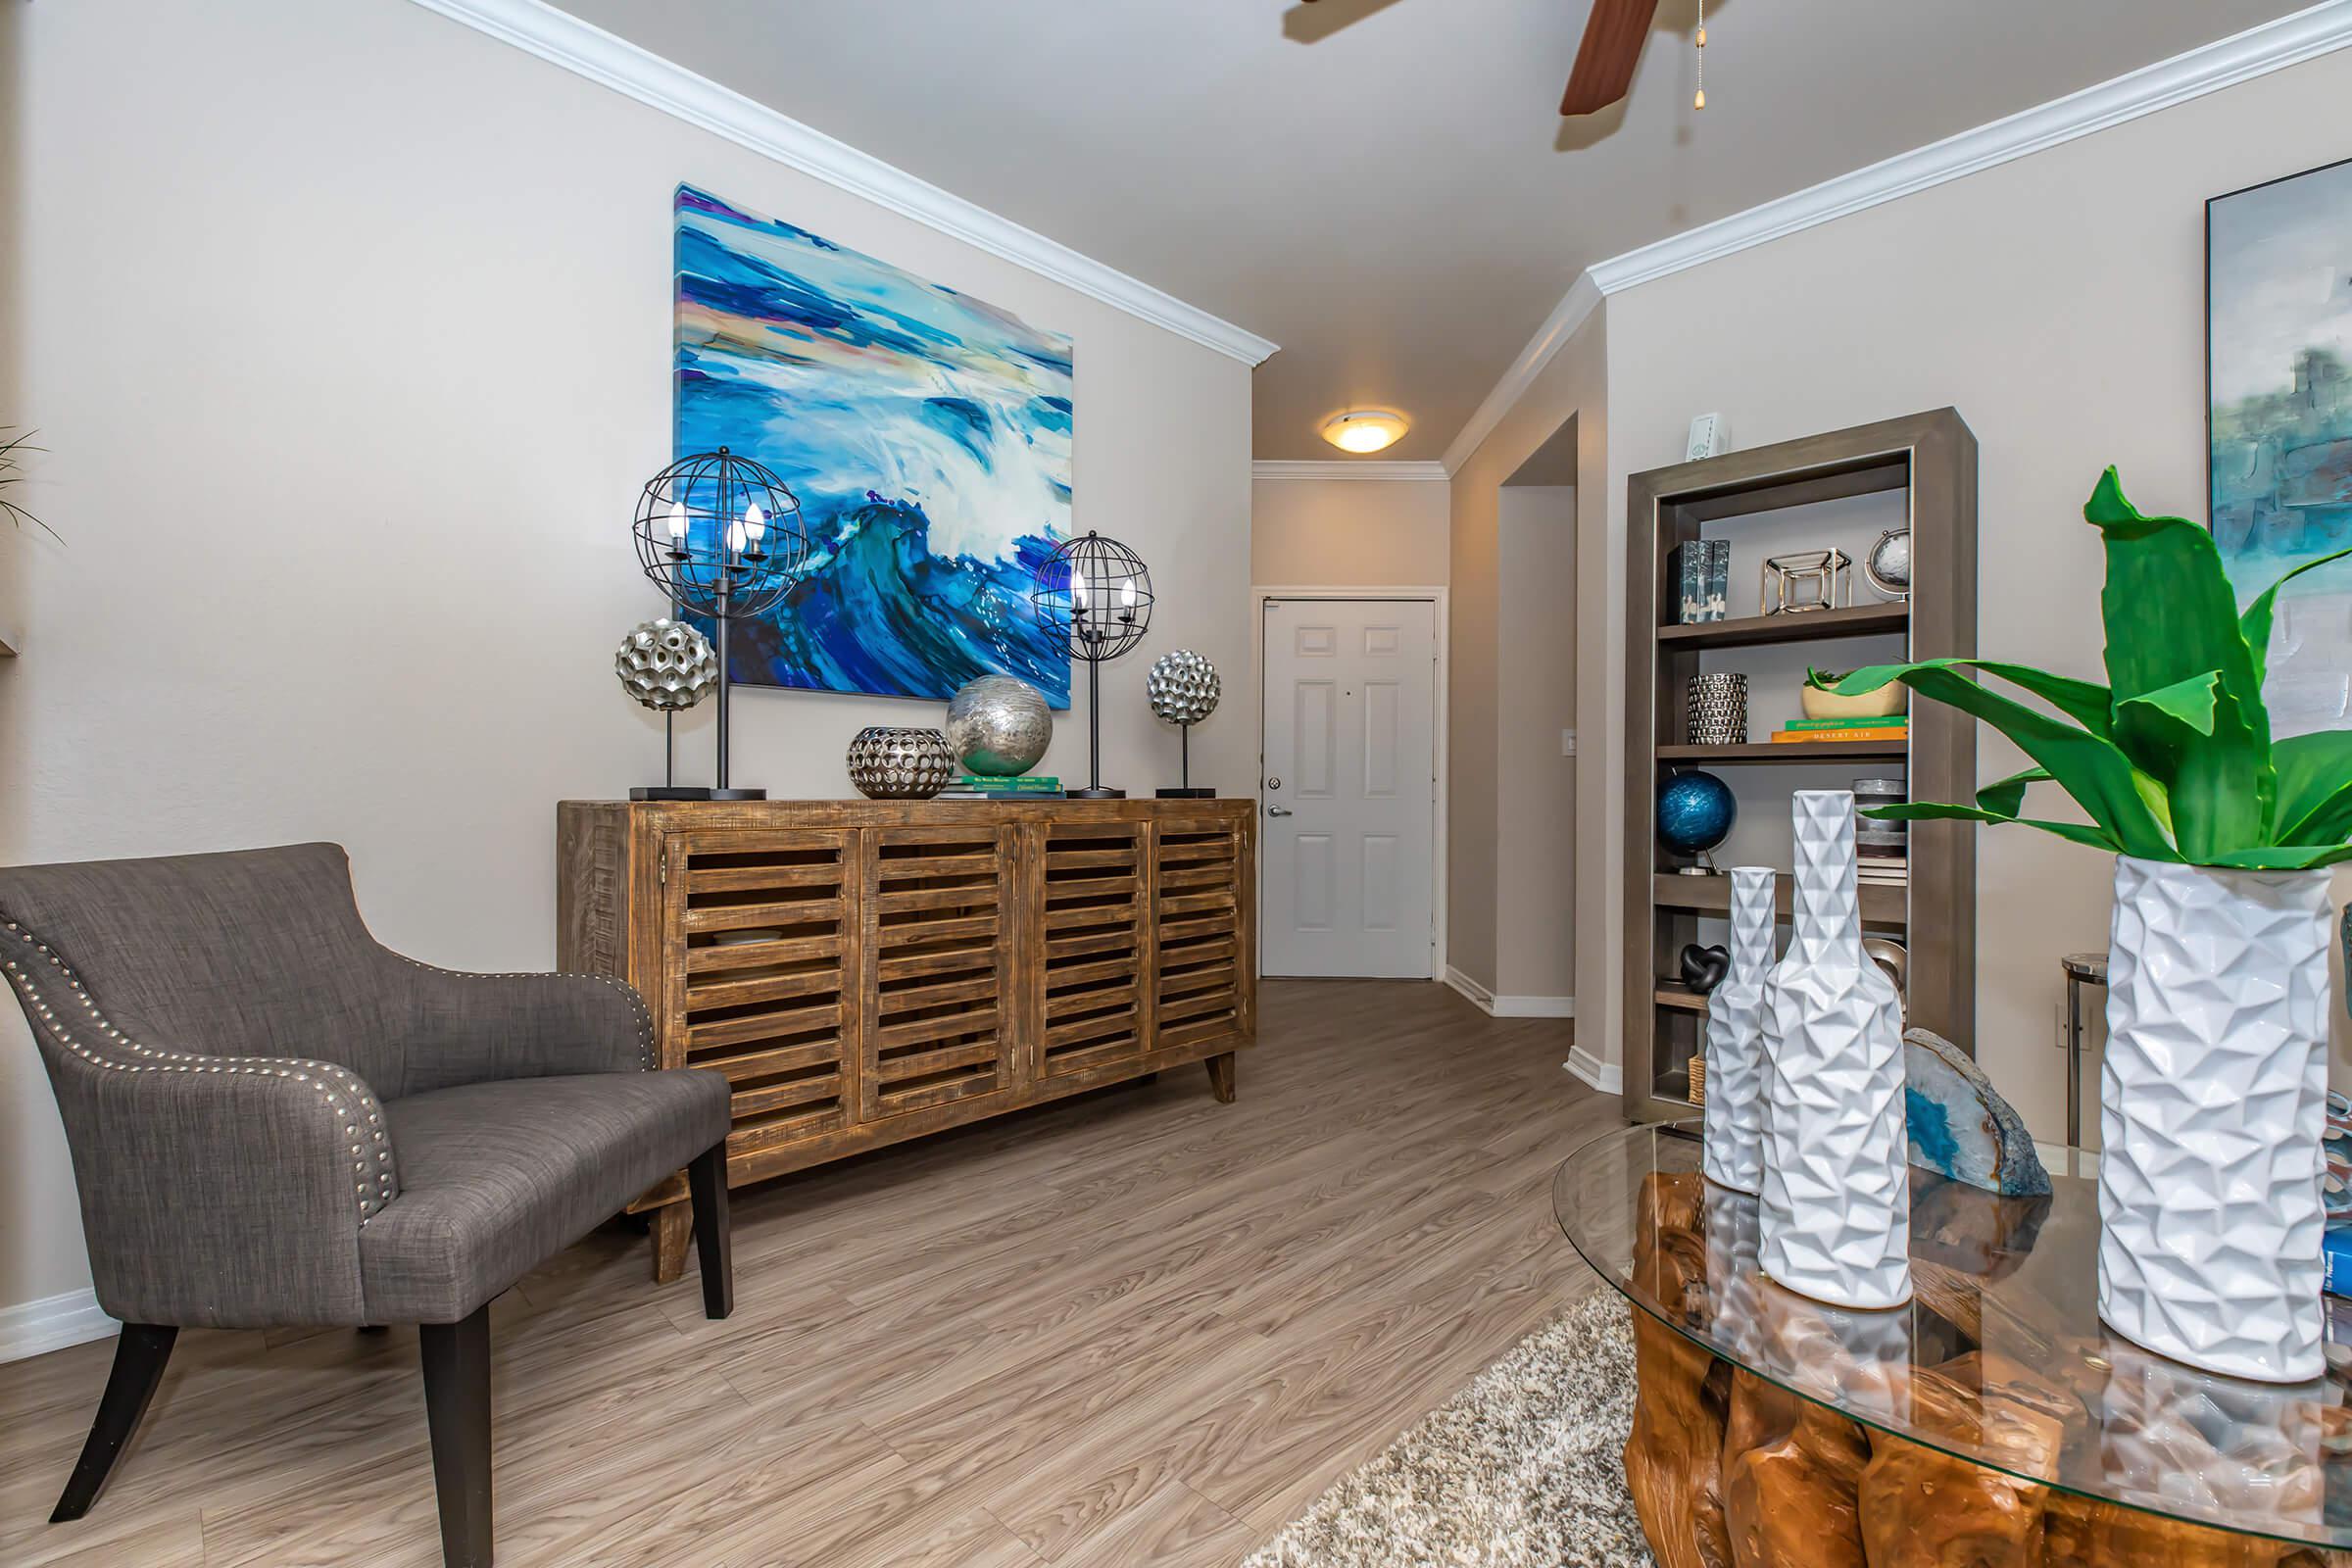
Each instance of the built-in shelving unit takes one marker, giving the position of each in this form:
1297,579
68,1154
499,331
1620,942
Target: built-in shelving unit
1926,461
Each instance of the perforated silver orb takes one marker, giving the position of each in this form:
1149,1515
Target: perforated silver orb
900,764
1183,687
998,727
666,664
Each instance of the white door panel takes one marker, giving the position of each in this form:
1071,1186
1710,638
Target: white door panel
1350,793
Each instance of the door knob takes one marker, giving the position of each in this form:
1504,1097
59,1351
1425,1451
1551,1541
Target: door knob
1278,811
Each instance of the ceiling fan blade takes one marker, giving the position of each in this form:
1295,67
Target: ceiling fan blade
1604,61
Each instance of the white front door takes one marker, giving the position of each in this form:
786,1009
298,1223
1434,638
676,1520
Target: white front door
1350,801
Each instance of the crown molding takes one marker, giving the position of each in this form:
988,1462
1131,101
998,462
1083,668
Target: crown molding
1344,468
2273,46
589,51
2290,41
1580,301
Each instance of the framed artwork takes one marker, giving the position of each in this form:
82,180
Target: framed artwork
2278,372
926,434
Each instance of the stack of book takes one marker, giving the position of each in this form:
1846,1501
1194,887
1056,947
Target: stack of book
1882,868
1027,787
1800,731
1703,579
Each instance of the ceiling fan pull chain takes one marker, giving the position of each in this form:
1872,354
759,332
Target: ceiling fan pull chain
1703,55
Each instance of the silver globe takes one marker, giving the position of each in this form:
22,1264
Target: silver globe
1889,564
666,664
998,727
1183,687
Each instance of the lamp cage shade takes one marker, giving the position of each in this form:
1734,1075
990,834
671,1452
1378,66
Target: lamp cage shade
720,535
1097,594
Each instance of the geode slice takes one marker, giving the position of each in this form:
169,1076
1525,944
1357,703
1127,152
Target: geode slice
1961,1127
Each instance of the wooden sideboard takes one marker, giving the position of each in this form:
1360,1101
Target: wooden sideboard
870,971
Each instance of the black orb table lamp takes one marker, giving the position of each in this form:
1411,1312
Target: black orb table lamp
721,535
1097,594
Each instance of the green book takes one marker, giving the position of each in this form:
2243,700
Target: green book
1028,782
1892,721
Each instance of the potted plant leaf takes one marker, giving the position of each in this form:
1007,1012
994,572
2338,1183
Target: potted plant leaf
12,474
2213,1091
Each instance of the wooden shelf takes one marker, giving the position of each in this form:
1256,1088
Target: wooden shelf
1789,752
1796,626
1673,993
1712,895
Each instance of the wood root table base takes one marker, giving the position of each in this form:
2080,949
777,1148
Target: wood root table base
1730,1471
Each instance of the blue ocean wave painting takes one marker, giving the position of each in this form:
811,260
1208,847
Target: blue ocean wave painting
926,434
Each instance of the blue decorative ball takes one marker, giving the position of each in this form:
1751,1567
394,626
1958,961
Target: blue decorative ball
1695,813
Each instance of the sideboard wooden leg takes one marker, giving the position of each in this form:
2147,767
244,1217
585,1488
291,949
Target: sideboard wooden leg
1220,1077
672,1224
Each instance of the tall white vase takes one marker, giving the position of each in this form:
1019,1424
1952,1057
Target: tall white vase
1733,1155
2212,1107
1836,1208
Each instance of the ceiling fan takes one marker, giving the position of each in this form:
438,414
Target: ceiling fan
1614,34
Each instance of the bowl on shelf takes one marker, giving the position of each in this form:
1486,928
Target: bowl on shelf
1885,703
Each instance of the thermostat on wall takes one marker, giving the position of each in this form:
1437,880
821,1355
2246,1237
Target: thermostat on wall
1706,438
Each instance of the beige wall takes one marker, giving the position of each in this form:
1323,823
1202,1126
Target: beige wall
349,329
1534,937
1346,533
1482,902
2058,303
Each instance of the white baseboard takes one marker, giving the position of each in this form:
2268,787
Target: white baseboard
1591,1069
52,1323
1494,1007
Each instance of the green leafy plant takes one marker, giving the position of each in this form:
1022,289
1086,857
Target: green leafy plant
2172,760
1822,680
12,474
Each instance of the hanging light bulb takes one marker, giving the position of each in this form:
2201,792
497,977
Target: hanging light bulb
1078,590
735,537
1127,594
754,522
677,523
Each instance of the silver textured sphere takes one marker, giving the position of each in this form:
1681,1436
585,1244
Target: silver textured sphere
998,727
1889,564
1183,687
666,664
900,764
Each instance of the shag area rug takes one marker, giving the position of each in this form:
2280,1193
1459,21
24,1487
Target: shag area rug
1522,1469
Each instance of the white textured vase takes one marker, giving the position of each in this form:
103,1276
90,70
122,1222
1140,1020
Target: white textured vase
2211,1107
1835,1208
1733,1155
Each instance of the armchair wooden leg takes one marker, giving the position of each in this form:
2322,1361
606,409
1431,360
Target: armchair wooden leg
707,1180
140,1355
457,1408
1220,1077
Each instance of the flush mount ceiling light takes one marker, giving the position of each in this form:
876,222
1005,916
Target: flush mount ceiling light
1364,430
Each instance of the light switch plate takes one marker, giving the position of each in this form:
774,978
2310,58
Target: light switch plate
1567,743
1706,438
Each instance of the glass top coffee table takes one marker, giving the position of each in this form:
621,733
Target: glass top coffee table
1995,1420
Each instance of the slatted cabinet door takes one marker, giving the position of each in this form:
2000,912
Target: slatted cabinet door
1201,979
939,961
755,987
1093,978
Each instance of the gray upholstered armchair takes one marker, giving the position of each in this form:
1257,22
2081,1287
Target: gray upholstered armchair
276,1121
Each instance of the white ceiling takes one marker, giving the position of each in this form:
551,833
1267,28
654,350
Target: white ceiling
1385,187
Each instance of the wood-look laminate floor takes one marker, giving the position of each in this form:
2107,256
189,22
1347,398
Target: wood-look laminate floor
1135,1329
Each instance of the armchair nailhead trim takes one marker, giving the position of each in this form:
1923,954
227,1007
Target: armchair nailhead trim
644,1018
345,1094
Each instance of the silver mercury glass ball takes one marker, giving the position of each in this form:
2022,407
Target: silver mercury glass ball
1183,687
666,664
998,727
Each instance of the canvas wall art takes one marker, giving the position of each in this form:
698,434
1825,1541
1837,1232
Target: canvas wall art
926,433
2278,261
